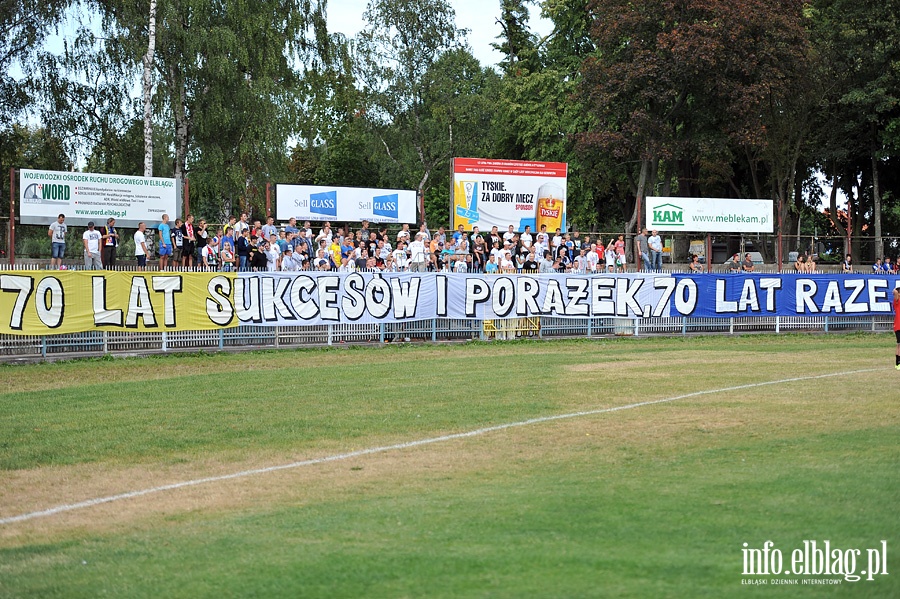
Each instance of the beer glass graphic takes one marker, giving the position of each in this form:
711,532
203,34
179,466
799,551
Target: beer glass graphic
550,207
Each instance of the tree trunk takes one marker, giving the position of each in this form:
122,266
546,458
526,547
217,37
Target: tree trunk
182,126
148,95
876,198
633,225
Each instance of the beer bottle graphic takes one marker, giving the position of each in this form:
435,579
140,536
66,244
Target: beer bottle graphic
550,206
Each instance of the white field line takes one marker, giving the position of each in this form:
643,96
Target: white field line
362,452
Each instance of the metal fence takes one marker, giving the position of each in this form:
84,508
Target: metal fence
246,337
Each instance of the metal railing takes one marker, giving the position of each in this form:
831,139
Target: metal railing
245,337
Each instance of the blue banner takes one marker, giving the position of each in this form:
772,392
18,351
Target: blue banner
729,295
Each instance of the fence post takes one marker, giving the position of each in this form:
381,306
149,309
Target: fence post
777,324
381,332
731,326
221,338
684,326
434,329
826,323
330,333
44,346
105,342
165,341
590,326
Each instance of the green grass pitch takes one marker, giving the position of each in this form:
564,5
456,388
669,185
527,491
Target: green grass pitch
655,500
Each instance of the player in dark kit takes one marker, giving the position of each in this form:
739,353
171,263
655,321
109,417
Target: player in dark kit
897,322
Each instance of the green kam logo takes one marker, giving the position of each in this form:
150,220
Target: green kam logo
668,215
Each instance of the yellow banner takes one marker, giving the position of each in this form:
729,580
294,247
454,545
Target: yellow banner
54,302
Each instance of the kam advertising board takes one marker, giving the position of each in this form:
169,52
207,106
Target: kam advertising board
488,193
345,204
86,197
709,215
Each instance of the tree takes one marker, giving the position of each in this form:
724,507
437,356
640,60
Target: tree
860,45
23,25
148,91
228,86
673,84
517,41
401,42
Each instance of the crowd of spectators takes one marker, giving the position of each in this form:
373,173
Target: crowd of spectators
242,245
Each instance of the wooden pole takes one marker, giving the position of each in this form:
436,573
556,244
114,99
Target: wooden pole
187,199
709,256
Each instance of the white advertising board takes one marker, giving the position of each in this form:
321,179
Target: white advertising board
488,193
345,204
85,197
709,215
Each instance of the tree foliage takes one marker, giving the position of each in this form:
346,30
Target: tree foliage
747,98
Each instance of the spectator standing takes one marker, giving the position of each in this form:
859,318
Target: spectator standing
177,243
610,256
110,238
242,225
227,254
269,228
526,237
400,257
620,253
189,240
140,246
57,234
417,254
642,249
91,240
201,233
165,242
656,250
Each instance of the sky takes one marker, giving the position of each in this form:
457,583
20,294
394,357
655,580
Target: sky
478,16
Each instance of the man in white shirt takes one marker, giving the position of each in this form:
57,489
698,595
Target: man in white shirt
140,246
399,255
556,241
417,257
288,264
509,234
656,249
403,233
325,233
57,233
593,258
526,237
242,225
273,254
541,245
91,240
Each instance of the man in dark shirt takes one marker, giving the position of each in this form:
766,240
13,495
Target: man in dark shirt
110,239
242,246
